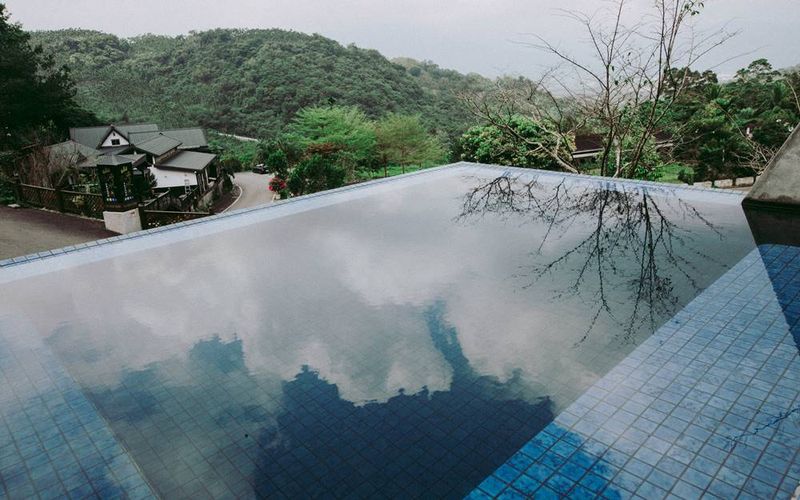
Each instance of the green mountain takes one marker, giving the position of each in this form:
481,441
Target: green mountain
251,82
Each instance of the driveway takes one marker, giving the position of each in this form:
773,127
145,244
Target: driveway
254,190
28,230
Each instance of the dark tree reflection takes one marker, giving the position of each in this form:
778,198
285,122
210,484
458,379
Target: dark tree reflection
632,243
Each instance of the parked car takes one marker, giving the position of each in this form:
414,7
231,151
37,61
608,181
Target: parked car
260,169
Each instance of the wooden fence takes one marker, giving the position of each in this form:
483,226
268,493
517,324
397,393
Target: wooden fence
74,202
162,210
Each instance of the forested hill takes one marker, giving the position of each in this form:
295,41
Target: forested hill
250,82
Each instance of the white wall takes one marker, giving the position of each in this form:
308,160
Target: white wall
123,222
172,178
114,135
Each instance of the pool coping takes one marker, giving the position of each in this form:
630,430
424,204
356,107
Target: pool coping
33,257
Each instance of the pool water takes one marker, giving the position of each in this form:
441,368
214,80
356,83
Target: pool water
402,338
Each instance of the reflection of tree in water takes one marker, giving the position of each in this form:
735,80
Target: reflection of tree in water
635,242
205,421
428,444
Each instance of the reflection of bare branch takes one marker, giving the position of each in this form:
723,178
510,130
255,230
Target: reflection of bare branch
774,422
627,224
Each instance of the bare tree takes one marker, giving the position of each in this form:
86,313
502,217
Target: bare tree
558,118
50,166
625,90
635,242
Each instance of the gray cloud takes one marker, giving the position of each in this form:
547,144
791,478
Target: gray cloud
467,35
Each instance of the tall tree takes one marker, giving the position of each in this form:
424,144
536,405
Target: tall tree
518,141
35,95
345,131
625,89
402,140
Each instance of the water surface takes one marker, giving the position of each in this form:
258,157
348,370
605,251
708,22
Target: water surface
403,338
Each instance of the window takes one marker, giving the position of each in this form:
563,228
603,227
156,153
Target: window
115,142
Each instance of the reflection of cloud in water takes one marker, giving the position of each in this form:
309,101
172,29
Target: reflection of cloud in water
343,298
233,427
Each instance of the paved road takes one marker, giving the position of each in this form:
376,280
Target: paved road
254,190
239,137
28,230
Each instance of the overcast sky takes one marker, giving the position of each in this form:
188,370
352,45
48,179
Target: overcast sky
467,35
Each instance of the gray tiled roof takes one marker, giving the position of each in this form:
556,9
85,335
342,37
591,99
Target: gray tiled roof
158,145
188,160
190,138
111,160
72,153
93,136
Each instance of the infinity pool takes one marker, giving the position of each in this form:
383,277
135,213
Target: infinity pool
399,338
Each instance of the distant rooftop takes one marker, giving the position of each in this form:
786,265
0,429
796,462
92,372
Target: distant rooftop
93,136
188,160
190,138
158,145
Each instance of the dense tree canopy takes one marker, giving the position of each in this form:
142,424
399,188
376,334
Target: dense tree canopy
335,131
402,140
307,95
735,127
251,82
35,94
517,142
719,130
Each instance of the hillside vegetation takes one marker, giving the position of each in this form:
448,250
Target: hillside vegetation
251,82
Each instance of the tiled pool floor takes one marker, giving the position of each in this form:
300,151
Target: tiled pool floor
708,407
383,348
55,444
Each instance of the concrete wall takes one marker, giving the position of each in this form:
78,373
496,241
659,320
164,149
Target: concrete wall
123,222
172,178
780,182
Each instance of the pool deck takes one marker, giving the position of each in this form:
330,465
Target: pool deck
708,407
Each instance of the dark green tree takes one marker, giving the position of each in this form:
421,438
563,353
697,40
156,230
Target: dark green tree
344,129
35,95
278,164
403,140
520,142
318,172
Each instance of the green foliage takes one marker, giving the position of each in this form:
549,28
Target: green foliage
231,164
316,173
402,140
346,127
720,126
686,176
278,164
442,87
343,133
519,142
35,93
236,154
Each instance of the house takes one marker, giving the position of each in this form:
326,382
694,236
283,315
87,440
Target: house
178,159
589,146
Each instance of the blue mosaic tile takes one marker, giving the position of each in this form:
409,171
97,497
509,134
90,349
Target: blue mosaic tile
53,451
710,404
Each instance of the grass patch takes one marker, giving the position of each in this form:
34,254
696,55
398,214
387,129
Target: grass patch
667,173
390,172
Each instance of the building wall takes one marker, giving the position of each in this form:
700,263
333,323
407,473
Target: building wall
172,178
123,222
114,135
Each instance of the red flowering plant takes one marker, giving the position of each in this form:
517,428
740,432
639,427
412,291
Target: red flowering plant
276,184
